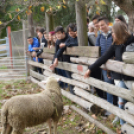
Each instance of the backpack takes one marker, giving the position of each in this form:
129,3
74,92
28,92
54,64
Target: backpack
130,48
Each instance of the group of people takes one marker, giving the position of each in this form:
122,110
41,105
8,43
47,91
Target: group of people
112,40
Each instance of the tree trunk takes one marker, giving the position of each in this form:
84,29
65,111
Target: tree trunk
81,23
30,25
128,7
49,22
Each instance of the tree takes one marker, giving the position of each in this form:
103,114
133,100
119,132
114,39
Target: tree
128,7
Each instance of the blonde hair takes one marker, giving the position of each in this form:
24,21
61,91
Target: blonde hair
121,32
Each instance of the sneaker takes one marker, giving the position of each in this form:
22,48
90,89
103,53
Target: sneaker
116,120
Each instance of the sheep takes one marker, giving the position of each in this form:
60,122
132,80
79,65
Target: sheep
24,111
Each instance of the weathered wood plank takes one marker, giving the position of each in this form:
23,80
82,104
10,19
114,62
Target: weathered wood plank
116,66
36,64
85,104
105,105
85,51
66,80
46,56
92,120
129,107
76,68
128,57
127,129
112,89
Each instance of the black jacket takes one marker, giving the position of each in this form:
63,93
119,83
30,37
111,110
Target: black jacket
70,42
58,42
114,51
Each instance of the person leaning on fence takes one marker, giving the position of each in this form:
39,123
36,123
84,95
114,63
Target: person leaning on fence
32,48
70,42
61,38
104,40
43,42
121,39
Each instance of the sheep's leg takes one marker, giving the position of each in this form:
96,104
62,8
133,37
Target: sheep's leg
17,131
49,124
3,130
55,127
9,129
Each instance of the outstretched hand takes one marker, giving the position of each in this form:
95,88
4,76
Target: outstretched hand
87,74
54,65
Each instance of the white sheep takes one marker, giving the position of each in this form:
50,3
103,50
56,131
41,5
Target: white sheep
29,110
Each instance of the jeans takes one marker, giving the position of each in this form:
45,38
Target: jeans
62,73
70,86
122,84
111,81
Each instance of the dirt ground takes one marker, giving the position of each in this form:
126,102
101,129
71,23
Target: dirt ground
70,123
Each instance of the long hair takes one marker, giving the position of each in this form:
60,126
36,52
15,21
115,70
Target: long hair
121,32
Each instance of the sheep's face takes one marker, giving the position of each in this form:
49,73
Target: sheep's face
51,79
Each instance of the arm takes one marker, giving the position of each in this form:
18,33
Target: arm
30,48
100,61
103,59
60,52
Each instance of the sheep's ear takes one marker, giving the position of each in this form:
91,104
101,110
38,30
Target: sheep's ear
44,82
58,79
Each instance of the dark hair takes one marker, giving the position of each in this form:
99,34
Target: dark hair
29,37
72,26
59,29
104,19
37,29
121,18
42,30
96,17
87,20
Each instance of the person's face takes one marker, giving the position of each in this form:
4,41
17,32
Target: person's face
117,20
103,26
54,38
72,33
30,41
50,37
91,29
40,35
60,35
96,24
46,36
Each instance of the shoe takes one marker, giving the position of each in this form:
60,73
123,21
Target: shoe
116,120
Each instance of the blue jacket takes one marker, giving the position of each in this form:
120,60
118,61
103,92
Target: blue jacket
104,42
31,46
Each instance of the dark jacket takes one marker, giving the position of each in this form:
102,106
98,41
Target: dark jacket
104,42
70,42
58,42
114,51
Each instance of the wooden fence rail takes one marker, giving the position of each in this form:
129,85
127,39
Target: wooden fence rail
88,55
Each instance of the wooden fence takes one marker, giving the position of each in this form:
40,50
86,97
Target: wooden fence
78,67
